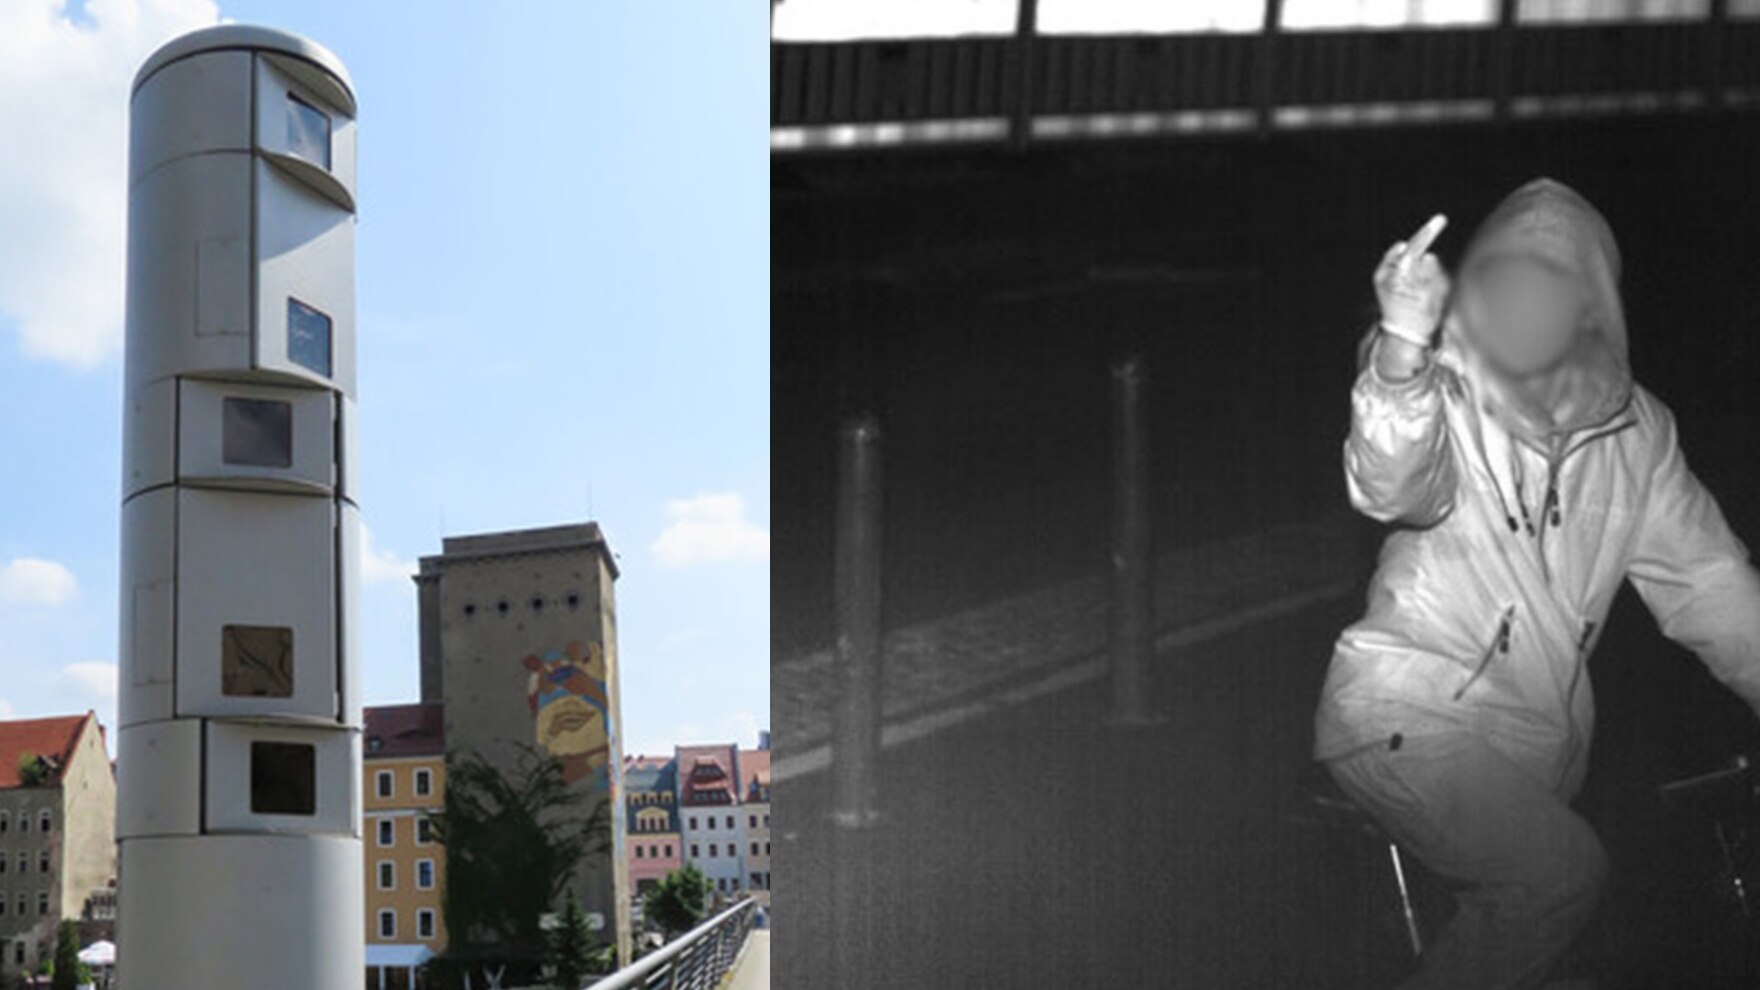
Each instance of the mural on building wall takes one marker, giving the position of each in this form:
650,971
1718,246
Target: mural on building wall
570,710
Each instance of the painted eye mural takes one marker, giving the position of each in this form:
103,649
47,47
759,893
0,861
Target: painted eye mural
566,691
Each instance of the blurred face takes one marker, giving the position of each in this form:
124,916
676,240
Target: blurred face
1523,314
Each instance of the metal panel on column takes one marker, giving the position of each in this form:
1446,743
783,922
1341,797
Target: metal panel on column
238,819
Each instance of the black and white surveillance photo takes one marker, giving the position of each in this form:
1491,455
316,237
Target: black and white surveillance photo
1262,493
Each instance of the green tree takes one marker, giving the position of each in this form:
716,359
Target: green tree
573,952
679,902
33,770
514,840
67,971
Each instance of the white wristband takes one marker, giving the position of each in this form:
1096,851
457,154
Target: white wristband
1410,337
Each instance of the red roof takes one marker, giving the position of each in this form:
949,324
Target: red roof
691,757
405,730
53,738
754,766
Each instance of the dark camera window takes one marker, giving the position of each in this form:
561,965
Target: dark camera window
256,661
308,132
308,337
284,779
257,432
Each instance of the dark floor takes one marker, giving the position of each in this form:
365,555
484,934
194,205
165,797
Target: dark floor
975,302
1044,848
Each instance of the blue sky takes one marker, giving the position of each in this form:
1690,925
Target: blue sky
563,273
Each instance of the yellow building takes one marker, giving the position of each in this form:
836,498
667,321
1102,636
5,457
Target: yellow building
404,778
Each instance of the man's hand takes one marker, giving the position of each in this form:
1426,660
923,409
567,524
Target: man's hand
1411,285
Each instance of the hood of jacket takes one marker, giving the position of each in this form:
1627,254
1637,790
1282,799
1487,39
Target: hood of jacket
1549,222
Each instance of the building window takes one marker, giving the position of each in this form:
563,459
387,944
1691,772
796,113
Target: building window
23,905
42,902
424,874
766,819
693,821
424,783
382,783
387,875
256,661
24,864
387,923
256,432
754,849
669,849
24,821
424,831
5,822
695,852
18,946
2,905
43,861
387,833
751,821
638,852
714,850
425,923
45,821
729,821
284,778
3,862
308,337
308,132
766,847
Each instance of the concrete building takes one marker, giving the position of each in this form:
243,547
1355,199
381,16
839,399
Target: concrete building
754,819
403,780
652,844
708,804
57,834
519,642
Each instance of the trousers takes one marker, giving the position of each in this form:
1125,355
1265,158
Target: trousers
1529,871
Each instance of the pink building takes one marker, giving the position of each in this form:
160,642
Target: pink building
652,845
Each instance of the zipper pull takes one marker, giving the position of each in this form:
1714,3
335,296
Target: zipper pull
1527,520
1552,504
1503,629
1583,640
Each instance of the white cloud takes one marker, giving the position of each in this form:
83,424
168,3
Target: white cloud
710,529
64,87
92,685
382,566
30,581
94,678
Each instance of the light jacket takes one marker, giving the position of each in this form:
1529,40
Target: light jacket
1515,523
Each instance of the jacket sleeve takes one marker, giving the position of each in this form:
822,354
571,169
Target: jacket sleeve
1693,572
1397,459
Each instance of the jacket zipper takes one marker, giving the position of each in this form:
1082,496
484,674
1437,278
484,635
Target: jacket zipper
1499,645
1570,699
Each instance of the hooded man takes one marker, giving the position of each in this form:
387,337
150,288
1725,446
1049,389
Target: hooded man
1527,475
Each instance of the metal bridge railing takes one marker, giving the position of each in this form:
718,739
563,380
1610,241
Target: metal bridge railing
696,960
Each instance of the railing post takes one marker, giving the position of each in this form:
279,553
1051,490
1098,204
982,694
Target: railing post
855,746
1133,556
1715,25
1024,78
1265,67
1503,61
